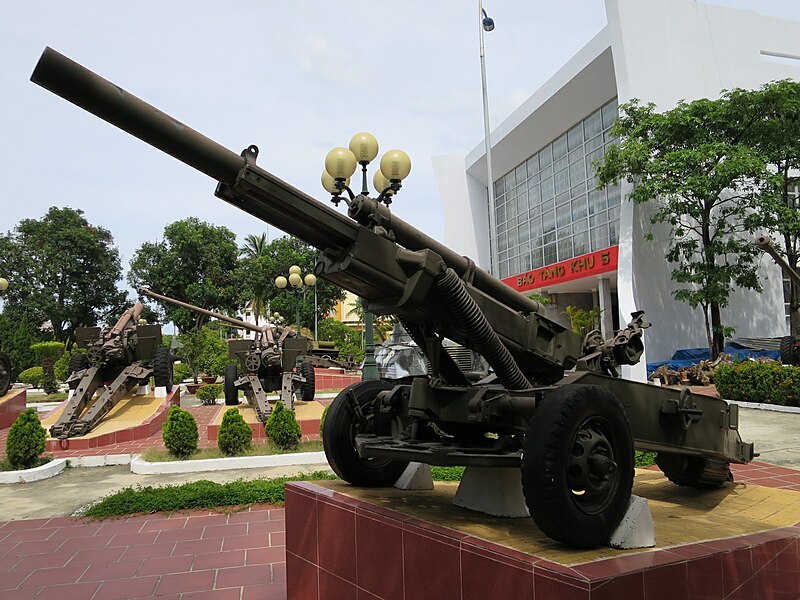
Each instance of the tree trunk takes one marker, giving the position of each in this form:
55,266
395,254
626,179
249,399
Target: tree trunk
709,339
717,337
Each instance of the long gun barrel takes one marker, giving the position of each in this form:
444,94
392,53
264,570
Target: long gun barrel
210,313
292,210
764,242
129,316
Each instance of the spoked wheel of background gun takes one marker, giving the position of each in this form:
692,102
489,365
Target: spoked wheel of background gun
162,368
342,424
231,393
77,362
577,465
693,471
306,391
5,373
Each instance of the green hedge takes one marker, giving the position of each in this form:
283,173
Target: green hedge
32,376
180,432
766,382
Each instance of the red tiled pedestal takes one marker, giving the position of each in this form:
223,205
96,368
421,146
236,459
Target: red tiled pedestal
11,405
343,548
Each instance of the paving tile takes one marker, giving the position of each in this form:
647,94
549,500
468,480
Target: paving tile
163,566
186,582
197,547
243,542
29,535
179,535
77,591
48,577
40,561
84,543
136,587
219,560
19,594
264,592
265,556
239,576
156,550
133,539
13,579
98,556
226,594
110,571
218,531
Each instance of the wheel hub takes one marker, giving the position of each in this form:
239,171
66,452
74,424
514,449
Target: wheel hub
591,470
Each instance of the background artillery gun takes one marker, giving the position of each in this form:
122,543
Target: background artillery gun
554,406
117,360
277,359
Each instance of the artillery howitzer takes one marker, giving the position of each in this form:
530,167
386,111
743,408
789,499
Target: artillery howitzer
117,360
266,362
790,346
572,433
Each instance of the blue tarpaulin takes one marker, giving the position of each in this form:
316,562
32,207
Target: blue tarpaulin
686,357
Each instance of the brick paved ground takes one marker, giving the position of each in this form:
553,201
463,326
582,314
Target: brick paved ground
190,556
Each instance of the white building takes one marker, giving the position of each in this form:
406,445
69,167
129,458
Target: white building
559,236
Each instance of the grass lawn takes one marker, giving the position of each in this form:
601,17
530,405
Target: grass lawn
57,397
153,455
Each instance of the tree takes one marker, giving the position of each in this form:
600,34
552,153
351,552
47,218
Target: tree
774,114
204,351
251,271
18,332
257,276
63,270
348,340
693,162
48,352
195,263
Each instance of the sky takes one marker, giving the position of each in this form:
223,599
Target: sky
296,79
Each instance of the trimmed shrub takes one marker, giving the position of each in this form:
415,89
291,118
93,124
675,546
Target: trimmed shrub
49,352
208,394
32,376
767,382
180,372
322,419
234,434
282,428
180,432
25,440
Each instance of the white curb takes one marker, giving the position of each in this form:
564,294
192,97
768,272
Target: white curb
762,406
106,460
51,469
144,467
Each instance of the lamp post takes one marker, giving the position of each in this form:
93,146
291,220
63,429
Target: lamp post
487,24
300,285
340,164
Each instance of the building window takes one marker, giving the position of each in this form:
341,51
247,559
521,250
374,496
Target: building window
552,195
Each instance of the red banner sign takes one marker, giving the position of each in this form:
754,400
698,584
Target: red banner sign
594,263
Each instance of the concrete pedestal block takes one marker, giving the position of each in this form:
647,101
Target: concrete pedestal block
636,530
493,491
417,476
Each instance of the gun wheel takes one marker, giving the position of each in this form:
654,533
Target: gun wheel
341,428
306,391
231,393
787,350
5,374
162,369
577,465
693,471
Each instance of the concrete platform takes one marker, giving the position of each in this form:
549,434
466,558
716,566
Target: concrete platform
308,415
11,405
134,417
723,543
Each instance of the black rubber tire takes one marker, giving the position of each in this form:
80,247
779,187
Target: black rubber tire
162,368
787,350
693,471
78,362
308,388
5,374
555,457
231,393
338,439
